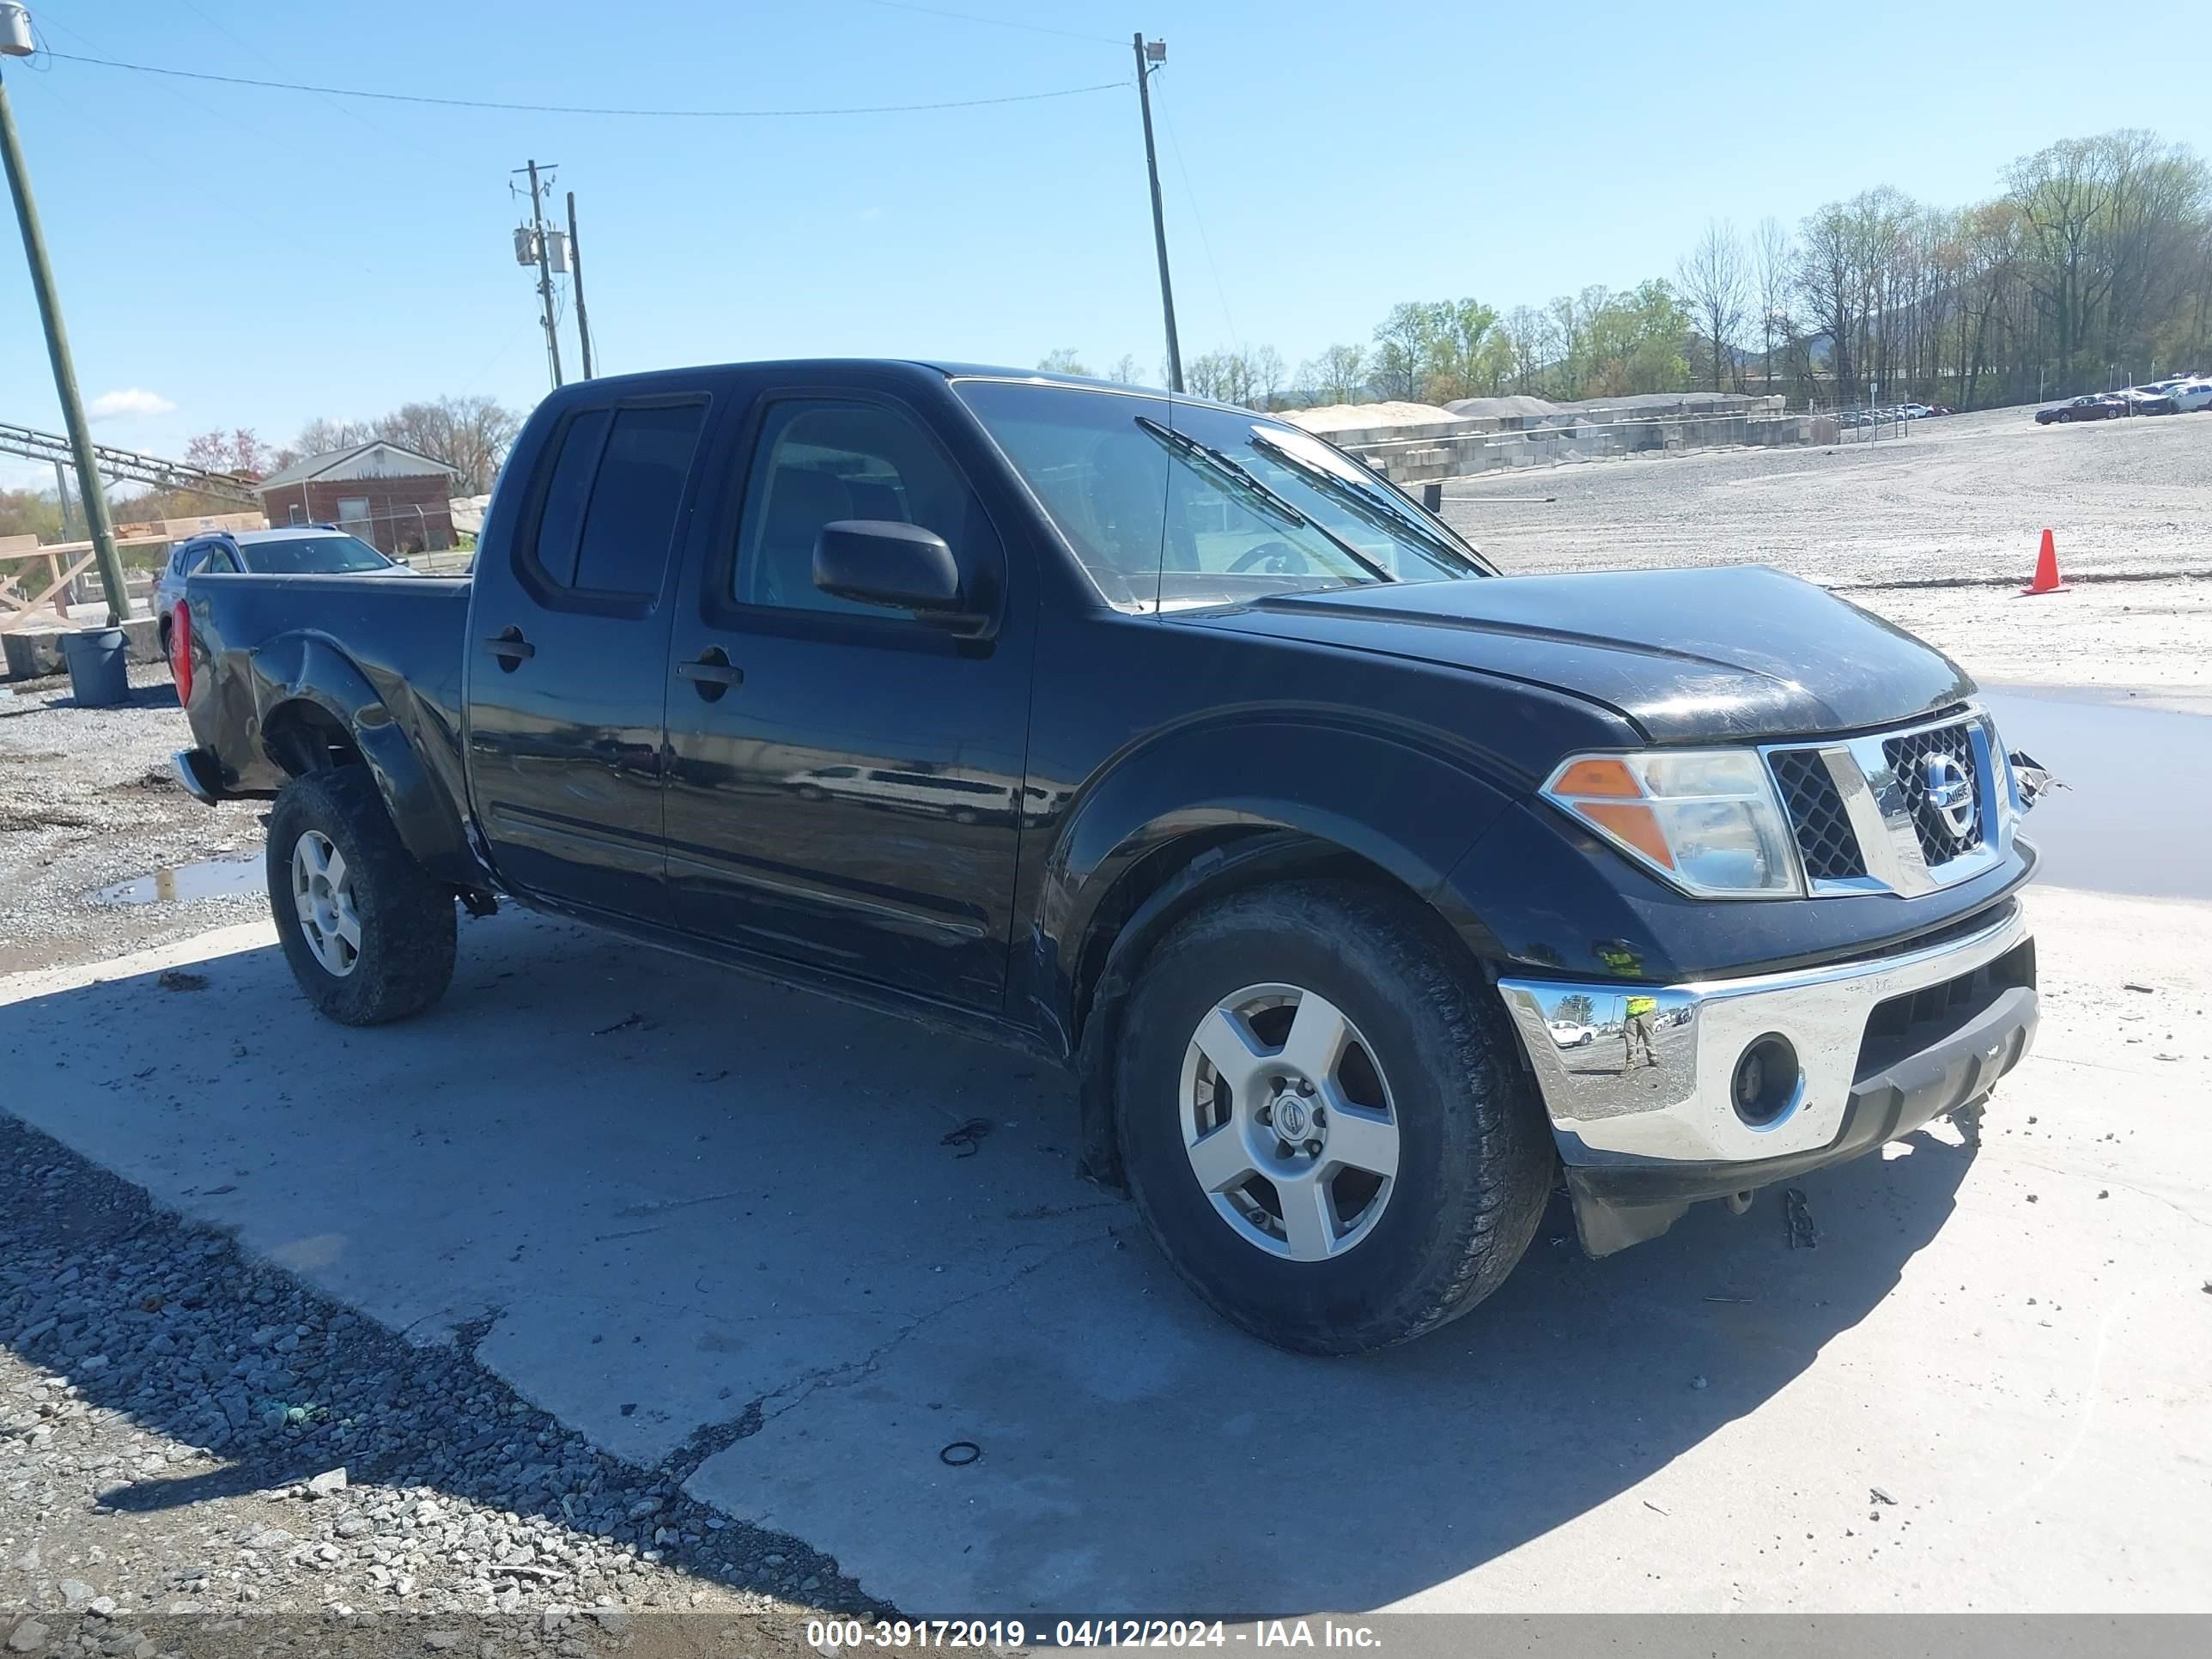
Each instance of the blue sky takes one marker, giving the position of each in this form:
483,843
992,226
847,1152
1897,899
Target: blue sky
258,258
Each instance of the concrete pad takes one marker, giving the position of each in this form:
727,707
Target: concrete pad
738,1211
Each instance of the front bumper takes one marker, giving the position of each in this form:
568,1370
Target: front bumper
1646,1120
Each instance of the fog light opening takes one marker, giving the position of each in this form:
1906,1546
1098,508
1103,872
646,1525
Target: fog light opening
1765,1082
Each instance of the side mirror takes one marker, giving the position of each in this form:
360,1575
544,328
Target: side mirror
900,566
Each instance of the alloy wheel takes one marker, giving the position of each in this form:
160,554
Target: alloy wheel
323,898
1288,1122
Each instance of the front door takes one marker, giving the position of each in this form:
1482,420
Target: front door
845,791
567,657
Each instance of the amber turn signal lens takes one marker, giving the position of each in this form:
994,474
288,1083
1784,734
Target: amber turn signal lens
1598,774
1636,825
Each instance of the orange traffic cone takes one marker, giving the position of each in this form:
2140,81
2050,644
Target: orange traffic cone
2047,569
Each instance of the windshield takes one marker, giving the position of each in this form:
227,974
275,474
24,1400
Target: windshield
311,555
1175,505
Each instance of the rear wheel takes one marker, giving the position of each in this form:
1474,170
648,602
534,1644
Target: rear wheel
1322,1120
369,936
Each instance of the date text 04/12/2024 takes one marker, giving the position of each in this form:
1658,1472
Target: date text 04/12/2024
834,1635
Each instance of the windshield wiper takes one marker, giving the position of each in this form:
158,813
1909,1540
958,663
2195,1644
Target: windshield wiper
1379,511
1250,486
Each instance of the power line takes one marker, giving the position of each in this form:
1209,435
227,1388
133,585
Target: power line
1198,218
355,116
995,23
581,109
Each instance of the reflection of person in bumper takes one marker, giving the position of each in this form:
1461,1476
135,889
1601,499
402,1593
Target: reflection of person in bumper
1636,1032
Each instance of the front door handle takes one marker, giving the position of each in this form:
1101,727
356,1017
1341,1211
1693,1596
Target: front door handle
711,672
510,647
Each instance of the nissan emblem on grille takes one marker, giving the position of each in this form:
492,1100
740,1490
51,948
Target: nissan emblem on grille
1950,792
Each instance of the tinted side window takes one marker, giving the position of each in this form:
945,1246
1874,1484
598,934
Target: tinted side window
626,528
818,461
561,519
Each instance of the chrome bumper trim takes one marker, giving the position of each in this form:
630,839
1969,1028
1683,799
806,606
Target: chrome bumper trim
184,762
1663,1094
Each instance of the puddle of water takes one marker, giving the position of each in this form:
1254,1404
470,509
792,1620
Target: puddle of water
2133,821
210,879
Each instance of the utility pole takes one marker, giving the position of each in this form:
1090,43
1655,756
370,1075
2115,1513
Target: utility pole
1147,55
15,42
61,489
576,280
538,233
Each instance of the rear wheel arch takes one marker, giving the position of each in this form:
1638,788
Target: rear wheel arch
312,731
302,735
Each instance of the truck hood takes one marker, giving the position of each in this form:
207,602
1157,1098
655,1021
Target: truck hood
1688,656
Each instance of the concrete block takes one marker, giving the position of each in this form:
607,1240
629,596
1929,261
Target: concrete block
36,652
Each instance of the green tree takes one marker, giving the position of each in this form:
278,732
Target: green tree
1403,342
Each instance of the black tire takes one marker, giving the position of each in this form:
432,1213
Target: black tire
1475,1158
406,920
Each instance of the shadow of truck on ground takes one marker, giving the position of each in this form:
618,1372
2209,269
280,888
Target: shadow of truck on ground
751,1239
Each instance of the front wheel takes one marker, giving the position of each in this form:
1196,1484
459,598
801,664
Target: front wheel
1322,1120
369,936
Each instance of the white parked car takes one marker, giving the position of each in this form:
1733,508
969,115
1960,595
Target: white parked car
2190,397
1566,1034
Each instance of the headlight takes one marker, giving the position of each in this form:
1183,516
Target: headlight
1704,820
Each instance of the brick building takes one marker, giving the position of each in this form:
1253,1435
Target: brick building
382,493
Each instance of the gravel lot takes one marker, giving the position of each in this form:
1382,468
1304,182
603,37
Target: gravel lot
167,1399
1934,531
189,1438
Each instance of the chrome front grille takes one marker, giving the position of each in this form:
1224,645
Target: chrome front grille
1815,809
1865,810
1908,757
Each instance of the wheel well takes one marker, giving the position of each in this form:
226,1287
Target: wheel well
305,737
1146,902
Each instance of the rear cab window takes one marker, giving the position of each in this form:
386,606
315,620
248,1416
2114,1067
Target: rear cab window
613,496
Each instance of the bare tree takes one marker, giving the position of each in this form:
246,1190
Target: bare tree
469,435
238,451
322,435
1339,375
1526,332
1125,369
1771,262
1062,360
1711,278
1267,373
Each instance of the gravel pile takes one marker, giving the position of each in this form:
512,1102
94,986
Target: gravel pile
198,1455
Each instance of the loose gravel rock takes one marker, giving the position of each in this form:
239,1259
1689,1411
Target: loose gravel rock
173,1419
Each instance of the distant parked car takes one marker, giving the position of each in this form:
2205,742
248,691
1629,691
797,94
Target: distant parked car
1571,1034
304,551
2192,396
2098,406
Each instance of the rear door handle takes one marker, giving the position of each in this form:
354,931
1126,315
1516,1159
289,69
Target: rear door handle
510,647
711,672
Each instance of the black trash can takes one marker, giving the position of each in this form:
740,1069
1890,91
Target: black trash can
99,664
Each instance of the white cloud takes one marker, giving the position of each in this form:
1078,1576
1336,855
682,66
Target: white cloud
132,400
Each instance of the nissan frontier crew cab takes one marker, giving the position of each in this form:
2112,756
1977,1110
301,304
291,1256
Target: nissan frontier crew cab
1164,738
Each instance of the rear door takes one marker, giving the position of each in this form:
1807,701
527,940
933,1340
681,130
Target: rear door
567,662
844,792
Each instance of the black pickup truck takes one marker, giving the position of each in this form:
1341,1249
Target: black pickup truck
1369,893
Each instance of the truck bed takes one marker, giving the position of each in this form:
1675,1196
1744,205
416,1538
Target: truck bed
260,635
